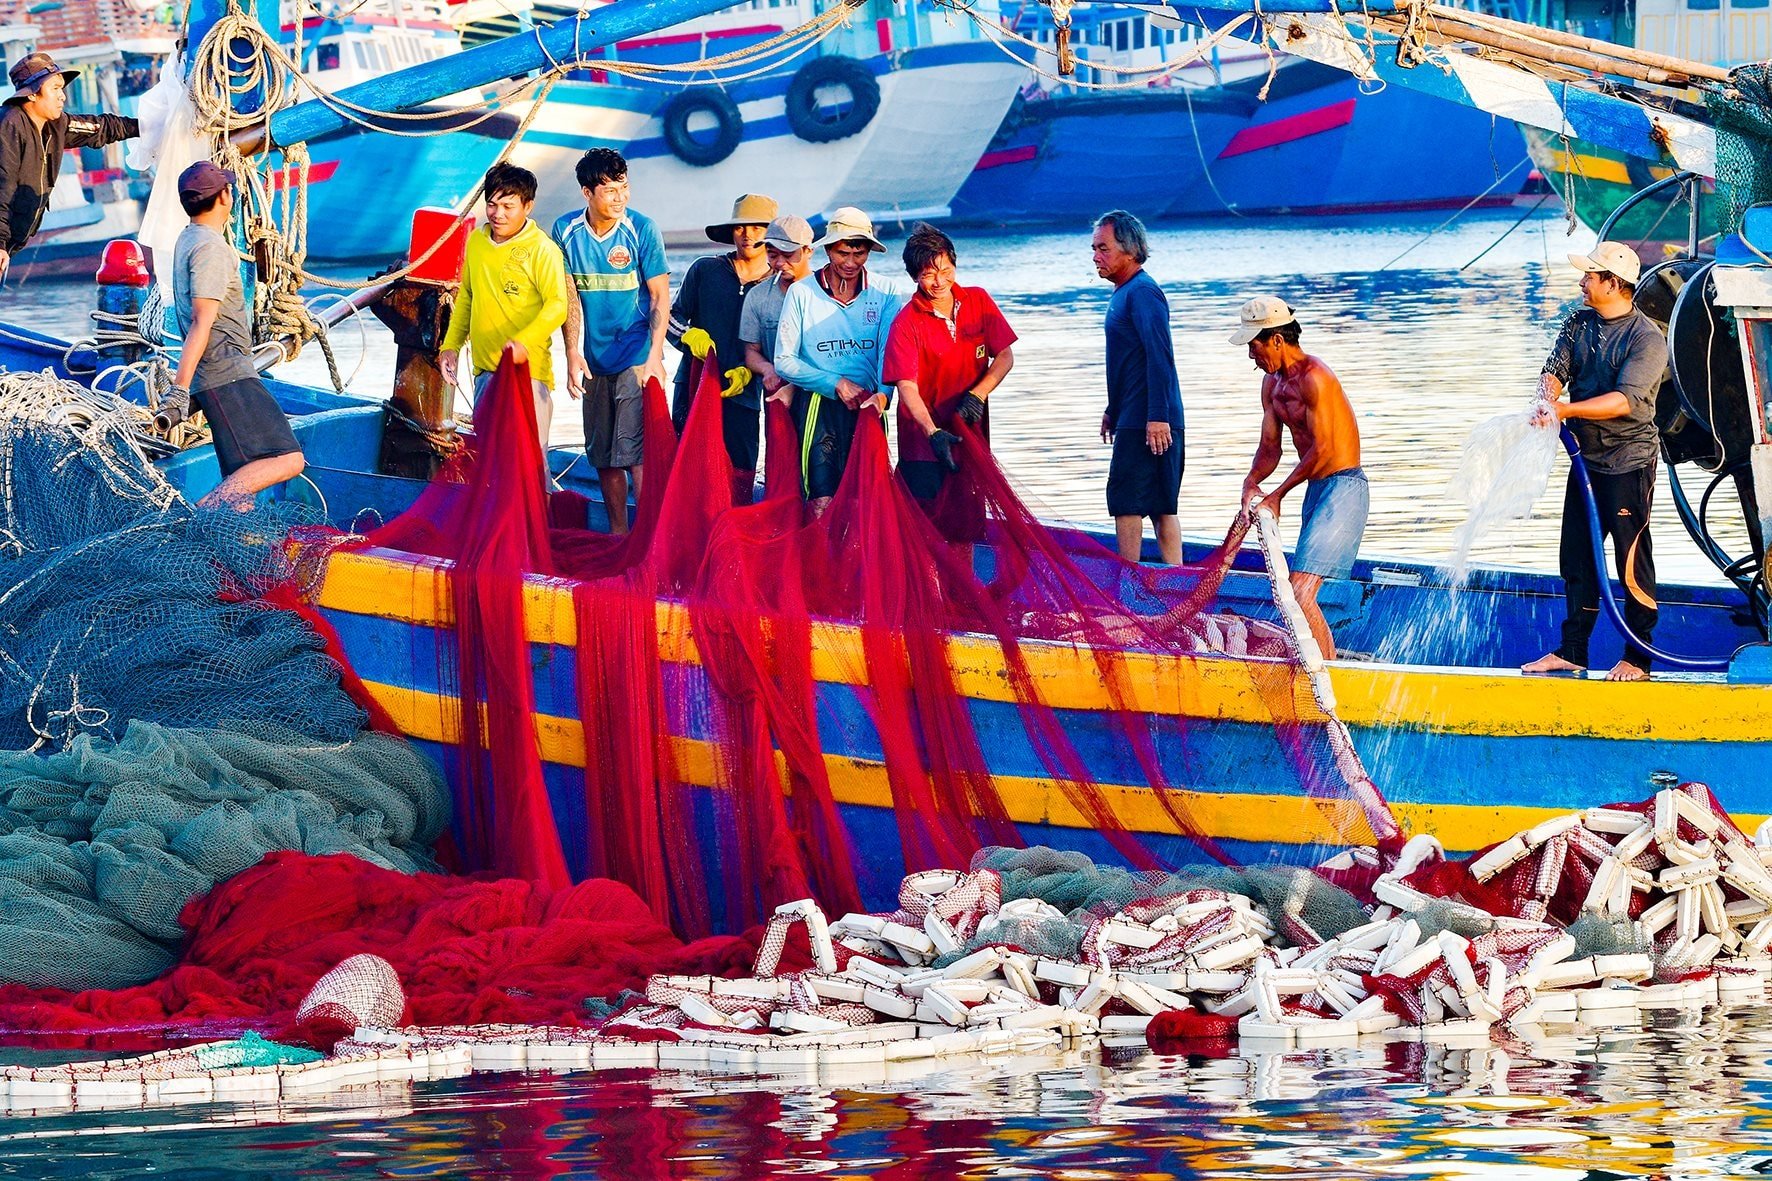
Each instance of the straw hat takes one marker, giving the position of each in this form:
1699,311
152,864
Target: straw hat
748,210
850,224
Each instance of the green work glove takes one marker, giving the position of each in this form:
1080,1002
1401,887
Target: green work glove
737,378
698,342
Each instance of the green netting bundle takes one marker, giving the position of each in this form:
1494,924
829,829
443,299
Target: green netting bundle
102,844
249,1049
1742,113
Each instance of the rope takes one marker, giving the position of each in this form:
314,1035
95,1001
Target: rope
1146,76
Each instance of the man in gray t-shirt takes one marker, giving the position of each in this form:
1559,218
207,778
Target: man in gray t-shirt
1609,359
254,446
788,245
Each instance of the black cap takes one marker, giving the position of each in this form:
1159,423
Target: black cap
203,179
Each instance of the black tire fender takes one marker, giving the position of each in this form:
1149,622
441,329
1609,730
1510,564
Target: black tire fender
833,70
684,144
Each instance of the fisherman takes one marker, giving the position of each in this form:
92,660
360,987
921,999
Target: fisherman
705,316
253,443
787,244
1610,359
1143,418
1301,394
615,329
829,342
35,130
947,350
513,292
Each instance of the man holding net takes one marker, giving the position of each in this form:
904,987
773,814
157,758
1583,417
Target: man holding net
948,348
253,443
828,346
1610,359
1303,395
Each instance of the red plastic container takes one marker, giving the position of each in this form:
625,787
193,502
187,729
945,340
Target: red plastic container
444,265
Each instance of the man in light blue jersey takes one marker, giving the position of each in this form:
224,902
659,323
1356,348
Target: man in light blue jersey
615,329
828,346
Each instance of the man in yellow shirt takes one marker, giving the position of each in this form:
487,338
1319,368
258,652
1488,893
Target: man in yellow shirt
513,291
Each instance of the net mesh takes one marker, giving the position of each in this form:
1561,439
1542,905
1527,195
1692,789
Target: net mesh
1742,112
170,723
780,608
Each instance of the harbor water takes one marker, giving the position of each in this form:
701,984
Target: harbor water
1428,338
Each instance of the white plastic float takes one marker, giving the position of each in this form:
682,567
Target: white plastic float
1674,876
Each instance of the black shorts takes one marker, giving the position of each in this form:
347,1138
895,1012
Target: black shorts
742,428
1141,484
958,515
246,424
827,428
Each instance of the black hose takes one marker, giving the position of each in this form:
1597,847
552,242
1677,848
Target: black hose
1613,611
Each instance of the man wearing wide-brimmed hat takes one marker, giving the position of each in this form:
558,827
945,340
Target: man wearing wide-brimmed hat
828,346
35,130
1609,359
704,324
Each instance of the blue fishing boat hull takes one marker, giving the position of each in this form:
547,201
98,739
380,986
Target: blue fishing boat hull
1067,158
1465,747
1318,145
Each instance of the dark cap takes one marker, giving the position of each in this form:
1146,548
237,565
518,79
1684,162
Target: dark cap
29,71
203,179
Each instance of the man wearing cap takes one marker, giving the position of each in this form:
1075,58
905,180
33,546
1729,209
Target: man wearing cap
1609,359
253,443
35,130
1143,418
705,318
1301,394
615,329
948,349
828,345
787,244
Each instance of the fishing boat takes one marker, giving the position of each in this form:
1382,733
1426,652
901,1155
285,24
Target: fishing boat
1205,126
1467,749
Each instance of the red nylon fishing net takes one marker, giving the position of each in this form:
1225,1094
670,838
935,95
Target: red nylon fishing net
711,634
465,950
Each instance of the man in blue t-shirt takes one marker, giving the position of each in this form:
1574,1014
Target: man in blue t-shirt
1144,397
828,345
615,330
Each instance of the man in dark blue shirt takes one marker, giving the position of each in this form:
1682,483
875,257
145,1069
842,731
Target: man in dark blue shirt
1143,416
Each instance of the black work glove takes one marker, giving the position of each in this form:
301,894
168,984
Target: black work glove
943,444
971,409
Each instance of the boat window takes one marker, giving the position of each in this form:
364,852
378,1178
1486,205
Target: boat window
1747,3
1138,35
1703,5
326,55
1120,37
357,52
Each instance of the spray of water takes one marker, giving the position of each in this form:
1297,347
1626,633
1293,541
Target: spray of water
1502,473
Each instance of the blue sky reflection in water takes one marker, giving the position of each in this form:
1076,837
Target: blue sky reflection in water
1686,1098
1425,351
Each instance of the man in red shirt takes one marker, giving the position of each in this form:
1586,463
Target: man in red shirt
949,347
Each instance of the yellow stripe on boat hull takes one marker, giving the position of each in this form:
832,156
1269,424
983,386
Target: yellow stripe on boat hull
1496,702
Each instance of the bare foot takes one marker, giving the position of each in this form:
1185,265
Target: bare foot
1624,670
1550,662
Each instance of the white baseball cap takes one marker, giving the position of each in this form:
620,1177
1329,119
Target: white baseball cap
1260,314
788,233
1611,258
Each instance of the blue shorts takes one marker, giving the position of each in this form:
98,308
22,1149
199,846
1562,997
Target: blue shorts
1334,517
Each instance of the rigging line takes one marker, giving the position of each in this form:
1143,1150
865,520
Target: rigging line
1499,181
1542,198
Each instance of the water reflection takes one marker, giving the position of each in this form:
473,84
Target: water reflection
1686,1094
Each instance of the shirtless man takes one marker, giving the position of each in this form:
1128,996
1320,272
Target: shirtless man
1301,394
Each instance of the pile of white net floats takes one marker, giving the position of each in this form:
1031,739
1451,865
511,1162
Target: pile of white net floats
1585,918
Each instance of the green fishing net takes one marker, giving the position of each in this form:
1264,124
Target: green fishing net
1742,113
162,727
249,1049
